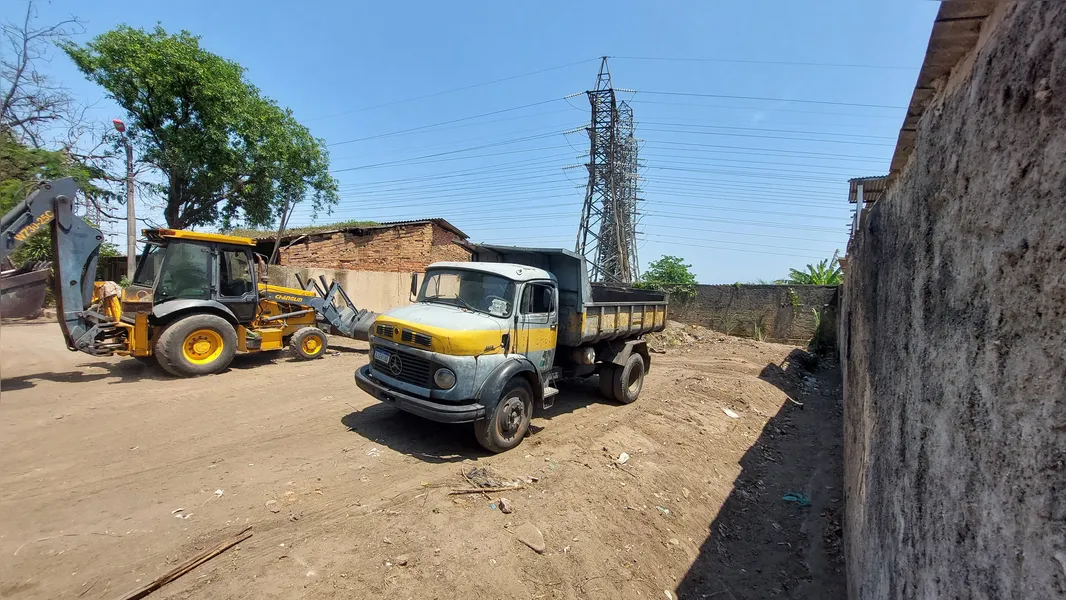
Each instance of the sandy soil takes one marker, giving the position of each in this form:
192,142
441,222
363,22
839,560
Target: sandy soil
111,473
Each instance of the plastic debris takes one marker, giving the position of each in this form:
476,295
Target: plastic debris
730,414
492,506
664,510
797,498
219,493
623,458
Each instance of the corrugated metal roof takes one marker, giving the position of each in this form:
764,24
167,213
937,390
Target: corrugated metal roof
266,235
955,33
873,188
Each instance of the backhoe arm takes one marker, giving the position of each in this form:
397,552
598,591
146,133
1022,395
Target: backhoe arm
75,248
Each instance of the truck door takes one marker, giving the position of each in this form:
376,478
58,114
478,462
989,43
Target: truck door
538,324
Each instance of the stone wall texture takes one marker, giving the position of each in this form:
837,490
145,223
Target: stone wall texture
399,249
773,312
953,329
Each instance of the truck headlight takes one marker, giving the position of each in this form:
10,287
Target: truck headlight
444,378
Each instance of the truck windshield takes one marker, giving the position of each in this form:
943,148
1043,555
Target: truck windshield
481,292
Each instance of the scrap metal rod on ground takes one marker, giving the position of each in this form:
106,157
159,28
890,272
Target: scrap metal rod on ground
188,565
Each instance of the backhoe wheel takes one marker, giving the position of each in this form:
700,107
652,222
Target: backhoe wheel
607,380
308,343
629,380
508,423
196,345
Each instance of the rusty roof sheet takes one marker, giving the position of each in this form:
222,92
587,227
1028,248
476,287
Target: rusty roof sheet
955,32
873,188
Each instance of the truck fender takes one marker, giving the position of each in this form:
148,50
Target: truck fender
619,354
493,386
172,309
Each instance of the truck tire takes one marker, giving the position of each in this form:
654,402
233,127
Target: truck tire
629,379
309,343
607,380
196,345
508,422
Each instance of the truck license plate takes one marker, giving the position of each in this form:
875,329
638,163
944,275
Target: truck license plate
382,356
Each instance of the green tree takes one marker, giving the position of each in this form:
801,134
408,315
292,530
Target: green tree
670,274
21,168
825,272
227,153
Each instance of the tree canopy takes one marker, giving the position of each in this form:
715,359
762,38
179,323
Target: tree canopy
825,272
227,153
670,274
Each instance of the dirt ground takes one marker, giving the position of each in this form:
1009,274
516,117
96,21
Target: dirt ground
112,473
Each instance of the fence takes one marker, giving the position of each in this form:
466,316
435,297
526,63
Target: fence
782,313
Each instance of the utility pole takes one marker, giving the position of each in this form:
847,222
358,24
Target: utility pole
131,213
607,236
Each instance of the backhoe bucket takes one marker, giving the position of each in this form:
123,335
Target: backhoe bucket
22,290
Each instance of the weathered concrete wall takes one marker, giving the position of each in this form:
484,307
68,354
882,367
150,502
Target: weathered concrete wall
777,312
372,290
954,329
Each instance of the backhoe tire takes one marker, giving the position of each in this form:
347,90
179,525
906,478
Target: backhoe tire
309,343
607,380
507,424
196,345
629,379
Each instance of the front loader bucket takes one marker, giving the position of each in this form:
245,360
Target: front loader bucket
22,290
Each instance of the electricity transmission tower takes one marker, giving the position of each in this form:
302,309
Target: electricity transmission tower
607,237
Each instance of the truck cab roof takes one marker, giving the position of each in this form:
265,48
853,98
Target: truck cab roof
514,272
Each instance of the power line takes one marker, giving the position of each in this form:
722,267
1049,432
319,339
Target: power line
769,99
768,137
421,127
453,90
765,108
878,137
764,62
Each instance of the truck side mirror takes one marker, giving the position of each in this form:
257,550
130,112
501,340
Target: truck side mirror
414,287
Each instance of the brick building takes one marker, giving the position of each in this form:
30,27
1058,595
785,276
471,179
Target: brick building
400,247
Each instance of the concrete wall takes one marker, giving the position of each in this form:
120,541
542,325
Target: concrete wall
373,290
780,312
954,330
403,248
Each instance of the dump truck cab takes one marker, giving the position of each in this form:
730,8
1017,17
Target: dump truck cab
486,340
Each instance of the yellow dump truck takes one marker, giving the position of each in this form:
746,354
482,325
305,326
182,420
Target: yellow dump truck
488,339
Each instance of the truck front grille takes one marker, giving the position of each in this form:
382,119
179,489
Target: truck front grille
418,338
413,369
384,330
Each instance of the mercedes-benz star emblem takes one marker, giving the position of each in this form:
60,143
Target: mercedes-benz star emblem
395,364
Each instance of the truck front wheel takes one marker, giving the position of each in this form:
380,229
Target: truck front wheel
508,422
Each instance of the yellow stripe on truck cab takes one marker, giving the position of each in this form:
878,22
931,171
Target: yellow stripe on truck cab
473,342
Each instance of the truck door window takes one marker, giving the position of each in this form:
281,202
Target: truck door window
148,265
185,273
235,273
538,299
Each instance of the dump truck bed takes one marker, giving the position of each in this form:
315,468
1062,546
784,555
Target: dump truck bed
588,313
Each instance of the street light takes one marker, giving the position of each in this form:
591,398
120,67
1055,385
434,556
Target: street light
131,215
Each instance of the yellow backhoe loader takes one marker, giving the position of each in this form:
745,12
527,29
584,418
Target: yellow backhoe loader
196,299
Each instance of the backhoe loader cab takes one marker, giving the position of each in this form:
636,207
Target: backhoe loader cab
196,300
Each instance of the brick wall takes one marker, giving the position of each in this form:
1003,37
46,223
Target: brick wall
444,247
404,248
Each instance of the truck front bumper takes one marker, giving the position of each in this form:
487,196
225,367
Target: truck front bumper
427,409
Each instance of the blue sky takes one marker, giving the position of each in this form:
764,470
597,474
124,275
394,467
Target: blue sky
739,178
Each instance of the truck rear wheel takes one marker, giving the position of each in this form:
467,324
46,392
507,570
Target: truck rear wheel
309,343
508,422
629,379
196,345
607,380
